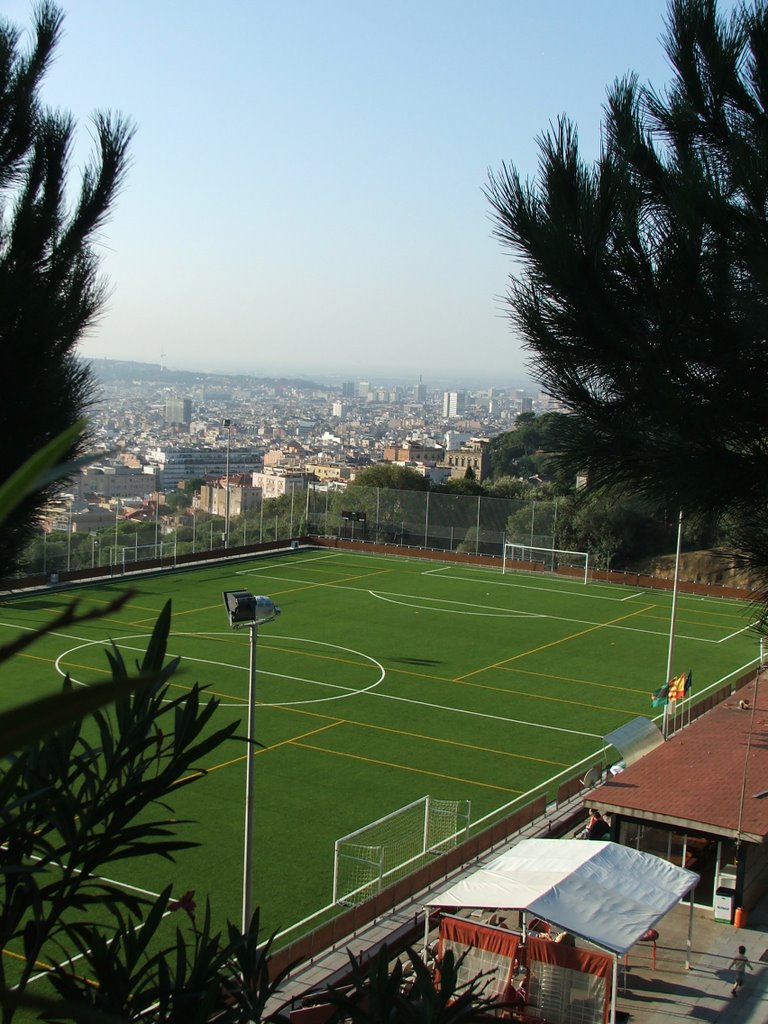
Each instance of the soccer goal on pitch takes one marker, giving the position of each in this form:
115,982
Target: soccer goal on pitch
372,856
553,559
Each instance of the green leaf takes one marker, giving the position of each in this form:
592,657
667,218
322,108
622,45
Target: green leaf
38,470
32,721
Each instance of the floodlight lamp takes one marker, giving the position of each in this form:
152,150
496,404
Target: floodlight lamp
245,609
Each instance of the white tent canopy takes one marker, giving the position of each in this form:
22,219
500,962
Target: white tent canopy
605,893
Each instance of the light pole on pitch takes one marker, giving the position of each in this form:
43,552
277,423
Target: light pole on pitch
228,425
245,611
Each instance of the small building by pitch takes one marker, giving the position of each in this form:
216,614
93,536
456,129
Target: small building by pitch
700,801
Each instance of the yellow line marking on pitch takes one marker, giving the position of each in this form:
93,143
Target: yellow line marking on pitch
555,643
272,746
275,593
569,679
452,743
536,696
419,675
40,964
36,657
407,768
561,700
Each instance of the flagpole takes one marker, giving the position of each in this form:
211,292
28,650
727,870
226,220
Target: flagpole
672,622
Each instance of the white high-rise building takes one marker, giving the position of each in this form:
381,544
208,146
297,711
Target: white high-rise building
453,403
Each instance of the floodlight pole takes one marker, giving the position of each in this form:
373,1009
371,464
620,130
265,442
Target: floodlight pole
69,536
228,425
248,612
253,629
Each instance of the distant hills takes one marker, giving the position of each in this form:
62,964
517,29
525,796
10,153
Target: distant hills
115,370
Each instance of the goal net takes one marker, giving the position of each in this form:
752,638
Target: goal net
388,848
552,559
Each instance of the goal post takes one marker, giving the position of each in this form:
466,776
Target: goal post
386,849
553,559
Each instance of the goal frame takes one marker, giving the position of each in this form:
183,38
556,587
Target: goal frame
375,856
549,556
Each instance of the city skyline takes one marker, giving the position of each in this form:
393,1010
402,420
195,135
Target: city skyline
305,195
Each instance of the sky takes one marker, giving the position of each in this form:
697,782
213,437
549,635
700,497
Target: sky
305,195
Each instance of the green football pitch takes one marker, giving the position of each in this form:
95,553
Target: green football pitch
384,679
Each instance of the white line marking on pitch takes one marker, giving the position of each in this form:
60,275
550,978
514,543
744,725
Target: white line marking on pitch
499,613
349,691
481,714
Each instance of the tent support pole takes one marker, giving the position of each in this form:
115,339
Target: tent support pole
689,940
614,987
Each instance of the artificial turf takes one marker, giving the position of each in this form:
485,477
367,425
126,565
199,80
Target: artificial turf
384,679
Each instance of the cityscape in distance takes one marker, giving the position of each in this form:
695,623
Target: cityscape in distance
245,439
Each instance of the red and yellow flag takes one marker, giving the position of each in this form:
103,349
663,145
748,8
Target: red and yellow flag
677,687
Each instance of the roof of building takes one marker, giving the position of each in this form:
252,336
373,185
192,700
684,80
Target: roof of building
711,776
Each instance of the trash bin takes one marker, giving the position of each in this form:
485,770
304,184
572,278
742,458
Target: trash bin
53,579
724,897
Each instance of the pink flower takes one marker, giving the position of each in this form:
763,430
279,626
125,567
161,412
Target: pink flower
185,902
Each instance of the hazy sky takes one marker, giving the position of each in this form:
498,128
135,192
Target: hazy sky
305,194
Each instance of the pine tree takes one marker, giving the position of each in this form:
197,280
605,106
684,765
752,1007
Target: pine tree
50,288
643,294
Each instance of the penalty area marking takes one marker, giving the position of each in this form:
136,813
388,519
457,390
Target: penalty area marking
592,596
464,607
348,691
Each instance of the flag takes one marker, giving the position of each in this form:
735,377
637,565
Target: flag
688,682
677,687
660,697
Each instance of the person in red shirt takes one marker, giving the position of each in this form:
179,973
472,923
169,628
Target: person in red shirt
597,826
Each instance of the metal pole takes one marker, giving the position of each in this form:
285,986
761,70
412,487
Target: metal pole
554,524
69,538
228,425
117,514
249,779
533,518
672,622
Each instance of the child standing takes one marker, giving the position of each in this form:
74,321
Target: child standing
739,965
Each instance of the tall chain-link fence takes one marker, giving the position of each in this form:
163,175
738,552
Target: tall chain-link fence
417,519
424,519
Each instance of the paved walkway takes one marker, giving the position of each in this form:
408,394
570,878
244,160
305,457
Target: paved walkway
670,992
648,995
